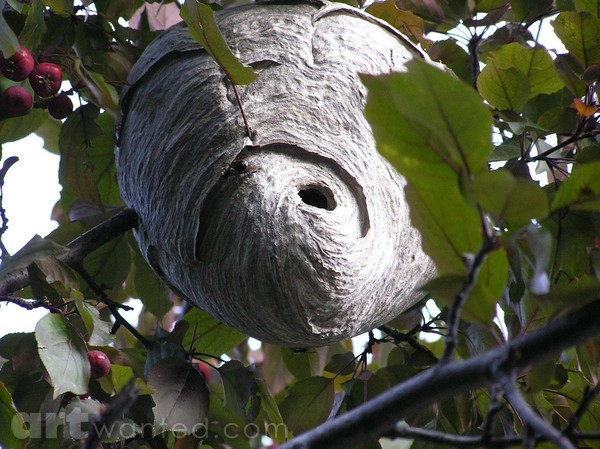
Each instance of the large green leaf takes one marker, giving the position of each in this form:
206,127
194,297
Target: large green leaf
581,190
75,170
505,89
15,128
211,336
431,148
98,329
508,198
63,355
302,364
240,390
535,63
9,44
35,26
13,432
457,123
181,396
203,29
307,404
580,34
148,286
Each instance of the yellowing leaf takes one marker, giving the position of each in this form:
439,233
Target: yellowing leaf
583,110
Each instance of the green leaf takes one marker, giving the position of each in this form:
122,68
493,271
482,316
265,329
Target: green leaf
204,30
443,110
504,89
524,10
149,288
9,44
37,248
13,432
307,404
35,26
181,397
49,131
98,330
240,389
268,404
302,364
535,63
431,151
581,190
580,34
211,336
75,171
401,19
508,198
63,355
449,227
15,128
342,364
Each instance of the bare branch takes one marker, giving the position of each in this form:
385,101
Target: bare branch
530,418
453,321
80,248
379,416
406,338
28,304
470,441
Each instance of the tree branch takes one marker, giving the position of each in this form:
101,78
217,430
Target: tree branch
469,441
79,248
406,338
453,320
379,416
532,419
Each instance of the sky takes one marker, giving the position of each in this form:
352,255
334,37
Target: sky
31,189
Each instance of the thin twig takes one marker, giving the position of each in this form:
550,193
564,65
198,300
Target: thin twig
588,397
530,418
493,409
471,441
379,415
459,300
569,141
238,99
28,304
112,306
412,341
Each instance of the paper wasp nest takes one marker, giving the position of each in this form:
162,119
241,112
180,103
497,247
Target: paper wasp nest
300,236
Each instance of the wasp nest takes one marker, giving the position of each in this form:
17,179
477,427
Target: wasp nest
301,235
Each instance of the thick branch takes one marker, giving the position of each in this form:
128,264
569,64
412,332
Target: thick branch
79,248
379,416
469,441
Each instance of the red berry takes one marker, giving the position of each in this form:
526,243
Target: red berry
203,369
99,364
60,107
16,100
18,66
45,79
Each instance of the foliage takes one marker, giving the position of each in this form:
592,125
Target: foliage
503,169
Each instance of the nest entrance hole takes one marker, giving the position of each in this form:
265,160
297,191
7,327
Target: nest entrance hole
317,196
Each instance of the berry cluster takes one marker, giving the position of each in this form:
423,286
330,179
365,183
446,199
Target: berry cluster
45,79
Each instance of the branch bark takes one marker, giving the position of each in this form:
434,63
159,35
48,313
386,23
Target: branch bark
79,248
379,416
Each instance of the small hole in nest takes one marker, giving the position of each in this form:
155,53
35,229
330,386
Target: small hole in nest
317,197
